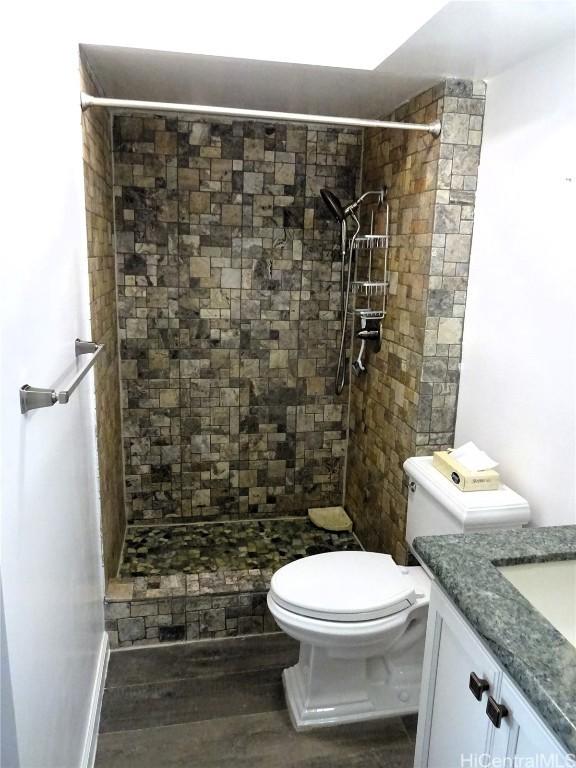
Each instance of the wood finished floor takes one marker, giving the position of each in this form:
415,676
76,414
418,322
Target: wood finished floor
220,703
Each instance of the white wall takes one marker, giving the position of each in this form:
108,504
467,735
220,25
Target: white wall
50,563
518,388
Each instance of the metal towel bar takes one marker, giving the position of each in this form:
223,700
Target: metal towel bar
38,397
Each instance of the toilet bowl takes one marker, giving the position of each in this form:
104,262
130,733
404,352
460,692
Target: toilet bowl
361,623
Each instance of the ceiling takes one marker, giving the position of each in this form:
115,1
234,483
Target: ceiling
463,39
330,33
478,40
129,73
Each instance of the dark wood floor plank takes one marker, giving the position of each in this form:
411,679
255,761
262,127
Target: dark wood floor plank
206,657
265,740
385,757
182,701
395,757
411,725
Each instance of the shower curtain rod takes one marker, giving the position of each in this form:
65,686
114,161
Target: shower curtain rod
87,101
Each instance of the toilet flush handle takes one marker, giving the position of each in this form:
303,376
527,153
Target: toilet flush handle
412,485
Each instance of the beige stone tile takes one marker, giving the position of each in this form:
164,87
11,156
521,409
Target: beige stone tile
450,330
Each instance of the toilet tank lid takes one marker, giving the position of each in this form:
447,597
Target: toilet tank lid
470,507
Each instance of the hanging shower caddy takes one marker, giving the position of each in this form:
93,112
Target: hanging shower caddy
370,284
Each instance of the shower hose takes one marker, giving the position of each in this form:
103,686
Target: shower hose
345,282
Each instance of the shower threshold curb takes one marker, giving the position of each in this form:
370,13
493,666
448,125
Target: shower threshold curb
219,582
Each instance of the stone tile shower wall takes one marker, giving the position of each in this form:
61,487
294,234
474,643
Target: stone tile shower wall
97,152
406,405
228,279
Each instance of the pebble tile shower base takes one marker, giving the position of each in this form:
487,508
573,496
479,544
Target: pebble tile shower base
210,547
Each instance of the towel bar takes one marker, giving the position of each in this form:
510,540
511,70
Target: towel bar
39,397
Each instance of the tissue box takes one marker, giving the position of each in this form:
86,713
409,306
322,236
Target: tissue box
463,478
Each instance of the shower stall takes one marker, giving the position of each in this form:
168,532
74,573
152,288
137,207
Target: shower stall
237,297
228,271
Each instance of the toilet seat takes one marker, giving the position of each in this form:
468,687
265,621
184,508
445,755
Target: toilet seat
343,587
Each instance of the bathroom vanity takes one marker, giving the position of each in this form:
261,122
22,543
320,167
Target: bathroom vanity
499,678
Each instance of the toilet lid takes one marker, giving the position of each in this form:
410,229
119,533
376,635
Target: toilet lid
343,586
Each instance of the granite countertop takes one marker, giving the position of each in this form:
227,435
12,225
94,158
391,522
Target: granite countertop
538,658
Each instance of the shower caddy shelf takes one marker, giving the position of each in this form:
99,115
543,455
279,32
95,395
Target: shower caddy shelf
369,287
369,241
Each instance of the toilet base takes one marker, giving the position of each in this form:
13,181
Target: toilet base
322,690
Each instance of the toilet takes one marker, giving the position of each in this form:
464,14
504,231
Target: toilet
360,618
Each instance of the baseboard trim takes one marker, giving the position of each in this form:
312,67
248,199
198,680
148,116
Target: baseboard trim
91,740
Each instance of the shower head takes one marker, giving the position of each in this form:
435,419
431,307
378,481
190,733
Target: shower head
333,204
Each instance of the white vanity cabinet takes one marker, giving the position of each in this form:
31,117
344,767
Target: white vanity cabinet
460,680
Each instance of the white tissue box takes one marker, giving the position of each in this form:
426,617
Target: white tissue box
463,478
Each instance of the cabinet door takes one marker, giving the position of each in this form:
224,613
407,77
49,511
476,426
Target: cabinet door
522,737
453,727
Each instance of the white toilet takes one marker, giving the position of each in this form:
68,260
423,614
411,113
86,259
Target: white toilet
361,619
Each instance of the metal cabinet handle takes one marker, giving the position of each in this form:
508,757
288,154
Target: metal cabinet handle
496,712
478,685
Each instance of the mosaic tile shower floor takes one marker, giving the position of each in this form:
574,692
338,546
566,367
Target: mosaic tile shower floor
238,546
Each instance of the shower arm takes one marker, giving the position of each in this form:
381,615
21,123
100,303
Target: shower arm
381,193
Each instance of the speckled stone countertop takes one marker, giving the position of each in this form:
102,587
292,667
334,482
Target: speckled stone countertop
538,658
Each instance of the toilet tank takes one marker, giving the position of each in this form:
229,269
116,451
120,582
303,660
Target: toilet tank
436,506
